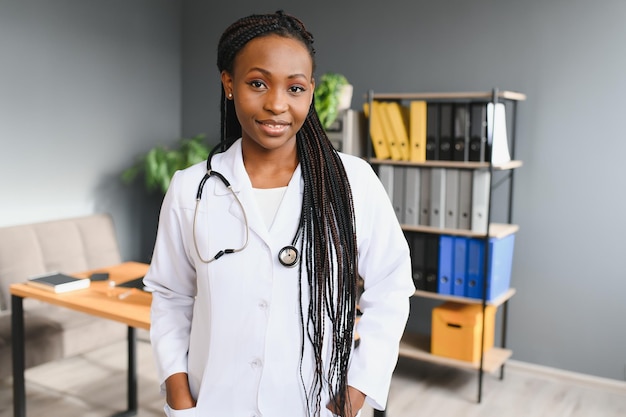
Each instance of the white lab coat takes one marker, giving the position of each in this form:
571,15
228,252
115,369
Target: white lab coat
234,325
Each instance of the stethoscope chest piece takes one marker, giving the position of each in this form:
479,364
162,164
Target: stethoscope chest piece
289,256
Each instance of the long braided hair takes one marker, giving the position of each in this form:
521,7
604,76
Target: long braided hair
327,221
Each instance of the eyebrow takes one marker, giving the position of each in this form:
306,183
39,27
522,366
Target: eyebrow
267,73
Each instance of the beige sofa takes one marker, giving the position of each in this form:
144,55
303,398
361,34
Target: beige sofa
68,245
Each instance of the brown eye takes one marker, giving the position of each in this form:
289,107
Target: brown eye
257,84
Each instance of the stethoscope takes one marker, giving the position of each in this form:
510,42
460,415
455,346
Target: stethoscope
288,256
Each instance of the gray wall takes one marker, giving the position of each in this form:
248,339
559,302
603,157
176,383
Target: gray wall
85,86
568,57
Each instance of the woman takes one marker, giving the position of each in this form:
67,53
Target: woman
259,252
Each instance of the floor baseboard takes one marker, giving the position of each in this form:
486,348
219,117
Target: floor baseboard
564,375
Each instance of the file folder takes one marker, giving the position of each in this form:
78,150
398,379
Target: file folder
446,139
418,261
496,133
437,197
377,134
461,132
431,262
417,131
465,199
398,121
399,178
460,266
392,140
475,268
452,199
478,133
424,203
481,184
412,195
446,264
500,264
385,174
432,131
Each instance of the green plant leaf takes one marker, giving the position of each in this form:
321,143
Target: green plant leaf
159,164
326,95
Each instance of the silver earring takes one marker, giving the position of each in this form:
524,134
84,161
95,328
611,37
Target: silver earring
230,95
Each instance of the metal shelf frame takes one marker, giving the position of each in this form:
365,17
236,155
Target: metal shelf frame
494,96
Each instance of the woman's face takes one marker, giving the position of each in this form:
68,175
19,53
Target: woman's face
272,87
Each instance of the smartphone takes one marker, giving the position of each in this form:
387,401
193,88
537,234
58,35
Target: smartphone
99,276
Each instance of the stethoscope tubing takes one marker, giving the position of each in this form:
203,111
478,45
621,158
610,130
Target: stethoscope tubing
289,256
222,252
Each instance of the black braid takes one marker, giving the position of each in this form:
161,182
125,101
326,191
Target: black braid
327,222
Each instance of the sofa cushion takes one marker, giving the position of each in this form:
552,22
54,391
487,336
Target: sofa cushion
67,245
52,332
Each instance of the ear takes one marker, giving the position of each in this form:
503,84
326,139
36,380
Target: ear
227,83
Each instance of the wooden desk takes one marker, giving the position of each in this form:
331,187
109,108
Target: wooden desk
125,305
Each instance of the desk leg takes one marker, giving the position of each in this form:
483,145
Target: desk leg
17,341
132,376
132,370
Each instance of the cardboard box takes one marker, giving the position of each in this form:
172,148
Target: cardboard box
456,330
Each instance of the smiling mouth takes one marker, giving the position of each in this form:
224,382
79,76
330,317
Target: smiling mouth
273,128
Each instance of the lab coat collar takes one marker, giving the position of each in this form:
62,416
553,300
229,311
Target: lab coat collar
230,165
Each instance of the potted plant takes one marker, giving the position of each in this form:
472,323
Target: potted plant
333,93
159,164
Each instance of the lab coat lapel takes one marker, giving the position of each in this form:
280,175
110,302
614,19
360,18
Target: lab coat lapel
285,225
230,164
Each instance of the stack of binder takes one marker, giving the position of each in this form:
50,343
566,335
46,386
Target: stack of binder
455,265
444,198
398,132
439,131
424,260
461,269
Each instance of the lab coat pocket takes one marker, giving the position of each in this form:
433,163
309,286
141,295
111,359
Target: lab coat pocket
187,412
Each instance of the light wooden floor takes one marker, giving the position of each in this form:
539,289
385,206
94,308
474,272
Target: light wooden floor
94,385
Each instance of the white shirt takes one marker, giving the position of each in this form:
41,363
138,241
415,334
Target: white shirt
234,324
268,200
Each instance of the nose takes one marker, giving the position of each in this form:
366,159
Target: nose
276,101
